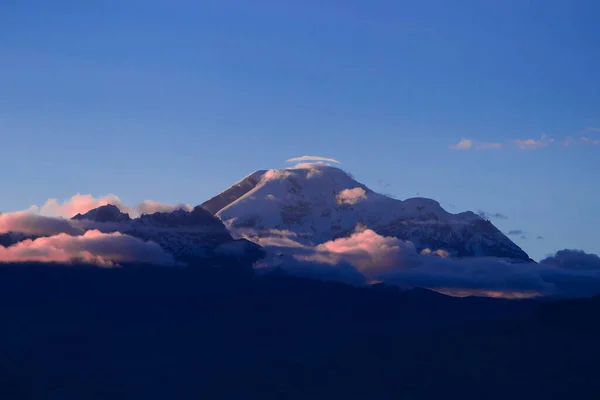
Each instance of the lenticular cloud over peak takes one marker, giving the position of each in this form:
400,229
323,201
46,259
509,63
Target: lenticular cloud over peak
312,159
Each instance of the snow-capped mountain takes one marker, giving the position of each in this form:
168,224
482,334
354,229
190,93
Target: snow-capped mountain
316,203
190,236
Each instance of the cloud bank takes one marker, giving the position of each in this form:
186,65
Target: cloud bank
82,203
573,260
393,261
364,256
34,224
93,246
51,237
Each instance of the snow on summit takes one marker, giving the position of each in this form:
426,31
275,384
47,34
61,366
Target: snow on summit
317,202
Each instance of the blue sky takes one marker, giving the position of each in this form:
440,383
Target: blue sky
176,100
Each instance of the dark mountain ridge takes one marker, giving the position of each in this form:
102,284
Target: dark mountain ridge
148,332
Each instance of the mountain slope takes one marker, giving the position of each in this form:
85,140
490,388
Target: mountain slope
316,203
234,192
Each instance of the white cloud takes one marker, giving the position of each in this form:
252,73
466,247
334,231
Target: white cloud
312,158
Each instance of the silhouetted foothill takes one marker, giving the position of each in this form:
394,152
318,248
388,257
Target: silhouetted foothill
107,213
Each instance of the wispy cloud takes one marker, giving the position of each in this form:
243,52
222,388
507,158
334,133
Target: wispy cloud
464,144
489,215
468,144
312,158
532,144
583,140
589,141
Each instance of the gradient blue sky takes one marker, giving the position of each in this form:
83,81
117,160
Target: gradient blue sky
176,100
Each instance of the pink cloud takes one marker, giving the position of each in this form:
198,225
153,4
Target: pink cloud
151,207
497,294
78,204
312,158
277,174
351,196
464,144
82,203
34,224
439,253
468,144
376,258
532,144
92,247
314,168
367,251
529,144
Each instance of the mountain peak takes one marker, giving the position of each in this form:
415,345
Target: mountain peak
106,213
316,203
190,236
